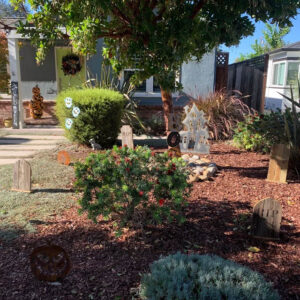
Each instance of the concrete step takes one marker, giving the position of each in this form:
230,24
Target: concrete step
23,141
37,137
10,161
23,147
33,131
13,154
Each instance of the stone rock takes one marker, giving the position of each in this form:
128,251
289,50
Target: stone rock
195,157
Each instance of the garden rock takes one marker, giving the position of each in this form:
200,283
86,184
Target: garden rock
202,169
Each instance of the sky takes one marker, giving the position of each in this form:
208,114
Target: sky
245,44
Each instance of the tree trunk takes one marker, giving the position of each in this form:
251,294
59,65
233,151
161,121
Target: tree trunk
166,97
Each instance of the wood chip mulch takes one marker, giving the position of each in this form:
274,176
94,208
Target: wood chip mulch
218,219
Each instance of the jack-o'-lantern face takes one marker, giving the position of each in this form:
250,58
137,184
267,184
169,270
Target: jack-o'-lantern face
75,111
69,123
68,102
50,263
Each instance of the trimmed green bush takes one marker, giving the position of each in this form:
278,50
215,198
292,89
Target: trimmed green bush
196,277
99,118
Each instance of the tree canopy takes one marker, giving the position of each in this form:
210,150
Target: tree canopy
273,39
154,36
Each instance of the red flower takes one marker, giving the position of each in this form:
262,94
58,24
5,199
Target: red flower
170,153
161,202
153,153
170,172
125,146
127,159
127,169
120,147
141,193
173,167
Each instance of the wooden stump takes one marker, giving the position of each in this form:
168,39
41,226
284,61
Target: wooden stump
22,176
266,219
127,136
278,165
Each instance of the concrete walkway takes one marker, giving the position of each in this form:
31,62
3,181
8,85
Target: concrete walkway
25,143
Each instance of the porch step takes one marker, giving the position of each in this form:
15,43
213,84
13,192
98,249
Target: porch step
10,161
20,155
25,141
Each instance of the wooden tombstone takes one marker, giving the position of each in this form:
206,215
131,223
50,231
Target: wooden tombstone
22,176
266,219
278,165
127,136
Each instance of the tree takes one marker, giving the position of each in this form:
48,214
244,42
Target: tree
273,39
154,36
8,11
4,77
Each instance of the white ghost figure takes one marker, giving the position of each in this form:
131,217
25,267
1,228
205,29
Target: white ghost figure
68,102
75,111
69,123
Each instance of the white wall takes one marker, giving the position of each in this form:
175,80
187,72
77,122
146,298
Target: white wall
198,78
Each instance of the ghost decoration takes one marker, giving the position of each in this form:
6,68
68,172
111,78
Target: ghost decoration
68,123
68,102
75,111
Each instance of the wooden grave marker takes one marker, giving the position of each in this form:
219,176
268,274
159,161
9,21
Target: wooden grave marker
266,219
127,136
22,176
278,165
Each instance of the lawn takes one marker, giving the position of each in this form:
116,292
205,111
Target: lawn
106,267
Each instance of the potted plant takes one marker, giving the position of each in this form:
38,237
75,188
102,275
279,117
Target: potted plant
8,123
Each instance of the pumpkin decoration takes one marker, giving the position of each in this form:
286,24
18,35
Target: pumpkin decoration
63,157
71,64
50,263
36,104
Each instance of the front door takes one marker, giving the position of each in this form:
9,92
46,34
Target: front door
70,80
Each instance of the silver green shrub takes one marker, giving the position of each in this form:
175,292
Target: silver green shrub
197,277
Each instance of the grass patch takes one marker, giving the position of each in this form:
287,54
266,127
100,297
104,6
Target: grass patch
19,212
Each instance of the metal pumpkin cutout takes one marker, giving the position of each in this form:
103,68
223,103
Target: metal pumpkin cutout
50,263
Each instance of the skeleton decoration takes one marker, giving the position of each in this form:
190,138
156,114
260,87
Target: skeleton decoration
195,139
75,112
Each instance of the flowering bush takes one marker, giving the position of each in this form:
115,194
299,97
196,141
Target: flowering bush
122,184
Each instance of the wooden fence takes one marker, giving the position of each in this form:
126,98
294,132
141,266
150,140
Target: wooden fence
221,70
249,78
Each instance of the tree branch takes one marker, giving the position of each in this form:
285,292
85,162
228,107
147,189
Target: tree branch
7,27
197,8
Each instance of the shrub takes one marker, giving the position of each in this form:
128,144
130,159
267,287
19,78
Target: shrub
259,133
195,277
222,112
99,118
123,183
248,135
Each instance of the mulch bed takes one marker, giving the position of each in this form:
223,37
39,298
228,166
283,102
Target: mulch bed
106,267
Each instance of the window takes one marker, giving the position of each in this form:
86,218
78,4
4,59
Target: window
127,76
278,75
292,73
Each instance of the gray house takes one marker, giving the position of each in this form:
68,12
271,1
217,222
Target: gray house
197,78
283,72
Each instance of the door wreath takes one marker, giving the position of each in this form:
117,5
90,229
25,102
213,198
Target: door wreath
71,64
